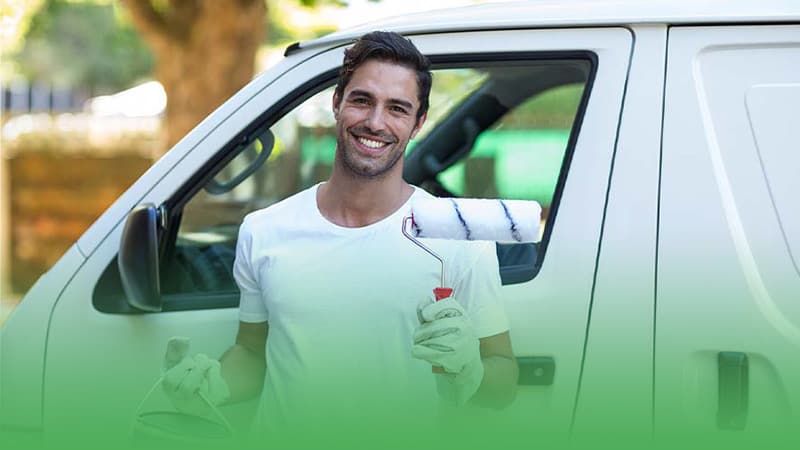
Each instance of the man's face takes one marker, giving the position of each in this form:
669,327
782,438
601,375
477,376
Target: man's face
375,118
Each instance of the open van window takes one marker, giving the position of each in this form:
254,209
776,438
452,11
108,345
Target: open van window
496,128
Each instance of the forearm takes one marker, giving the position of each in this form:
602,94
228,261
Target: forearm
243,371
498,387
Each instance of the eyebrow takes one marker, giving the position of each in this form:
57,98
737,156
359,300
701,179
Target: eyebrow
396,101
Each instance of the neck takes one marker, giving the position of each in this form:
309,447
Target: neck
351,202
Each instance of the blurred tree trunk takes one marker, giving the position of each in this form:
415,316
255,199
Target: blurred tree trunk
205,51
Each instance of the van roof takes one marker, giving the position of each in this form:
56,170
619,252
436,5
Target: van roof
567,13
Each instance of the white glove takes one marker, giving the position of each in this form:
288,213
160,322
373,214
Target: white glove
445,338
192,378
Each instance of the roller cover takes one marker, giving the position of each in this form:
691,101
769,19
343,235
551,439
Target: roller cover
477,219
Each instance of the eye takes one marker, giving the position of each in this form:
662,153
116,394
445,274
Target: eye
360,100
398,109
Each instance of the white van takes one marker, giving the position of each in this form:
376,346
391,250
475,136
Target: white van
660,137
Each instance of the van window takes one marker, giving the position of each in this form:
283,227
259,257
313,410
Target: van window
520,157
496,129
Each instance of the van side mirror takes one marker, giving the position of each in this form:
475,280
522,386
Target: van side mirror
138,258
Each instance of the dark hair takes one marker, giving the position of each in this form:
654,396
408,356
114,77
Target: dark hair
392,47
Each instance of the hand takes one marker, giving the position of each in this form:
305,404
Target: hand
445,338
188,381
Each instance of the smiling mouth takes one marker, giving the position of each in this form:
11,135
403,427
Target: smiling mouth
371,143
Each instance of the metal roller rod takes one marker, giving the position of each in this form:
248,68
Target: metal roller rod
421,245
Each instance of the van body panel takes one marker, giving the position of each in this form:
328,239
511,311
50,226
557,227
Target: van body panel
726,279
619,351
23,340
771,110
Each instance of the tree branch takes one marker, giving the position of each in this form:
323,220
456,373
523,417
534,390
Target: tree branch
150,22
182,16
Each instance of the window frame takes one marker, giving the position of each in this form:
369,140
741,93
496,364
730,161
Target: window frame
108,295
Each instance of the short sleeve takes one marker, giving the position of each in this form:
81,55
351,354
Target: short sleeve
251,304
479,291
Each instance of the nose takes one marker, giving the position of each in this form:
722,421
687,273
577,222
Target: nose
376,120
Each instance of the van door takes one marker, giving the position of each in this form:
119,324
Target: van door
105,357
728,316
569,176
616,386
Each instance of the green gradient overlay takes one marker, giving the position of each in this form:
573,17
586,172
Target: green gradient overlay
391,427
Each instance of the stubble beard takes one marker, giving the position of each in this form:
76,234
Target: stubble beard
345,154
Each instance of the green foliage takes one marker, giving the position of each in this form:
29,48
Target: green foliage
280,33
552,109
561,100
83,44
313,3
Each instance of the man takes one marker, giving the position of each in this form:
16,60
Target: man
336,315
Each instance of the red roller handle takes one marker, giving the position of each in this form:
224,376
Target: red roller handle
441,293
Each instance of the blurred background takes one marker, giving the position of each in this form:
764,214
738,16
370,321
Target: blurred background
92,92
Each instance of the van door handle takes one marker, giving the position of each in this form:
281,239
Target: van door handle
536,370
733,390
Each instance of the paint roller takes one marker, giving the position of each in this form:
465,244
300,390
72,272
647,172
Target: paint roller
504,221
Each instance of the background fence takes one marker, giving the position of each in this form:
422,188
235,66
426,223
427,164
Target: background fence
21,96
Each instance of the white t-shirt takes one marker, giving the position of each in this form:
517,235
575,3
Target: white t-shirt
341,305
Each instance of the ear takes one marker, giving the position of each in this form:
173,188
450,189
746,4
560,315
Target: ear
335,105
418,126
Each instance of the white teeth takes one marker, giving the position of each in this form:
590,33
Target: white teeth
370,143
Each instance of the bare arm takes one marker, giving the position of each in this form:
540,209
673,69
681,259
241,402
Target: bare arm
500,372
244,364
